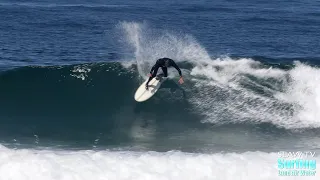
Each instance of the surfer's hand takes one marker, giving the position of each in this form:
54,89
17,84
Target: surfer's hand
181,80
149,74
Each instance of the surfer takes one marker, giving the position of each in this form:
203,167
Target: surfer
164,63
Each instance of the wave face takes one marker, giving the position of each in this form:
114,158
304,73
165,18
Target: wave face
92,104
82,102
223,90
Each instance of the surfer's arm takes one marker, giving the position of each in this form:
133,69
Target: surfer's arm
177,68
153,67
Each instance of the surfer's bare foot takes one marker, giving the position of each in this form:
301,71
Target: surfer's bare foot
147,87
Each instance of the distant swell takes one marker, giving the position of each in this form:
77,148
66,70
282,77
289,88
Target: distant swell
53,5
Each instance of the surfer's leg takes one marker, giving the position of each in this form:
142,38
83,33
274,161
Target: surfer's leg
165,71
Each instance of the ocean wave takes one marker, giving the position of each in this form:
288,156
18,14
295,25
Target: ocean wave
223,90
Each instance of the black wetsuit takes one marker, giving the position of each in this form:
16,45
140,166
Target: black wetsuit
163,63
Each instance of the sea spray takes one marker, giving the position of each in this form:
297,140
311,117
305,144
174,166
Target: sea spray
150,44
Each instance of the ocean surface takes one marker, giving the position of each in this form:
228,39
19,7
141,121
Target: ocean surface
69,71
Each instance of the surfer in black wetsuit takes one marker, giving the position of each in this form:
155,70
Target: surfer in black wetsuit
164,63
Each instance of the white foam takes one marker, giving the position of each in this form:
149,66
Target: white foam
80,72
224,70
293,104
231,101
84,165
304,93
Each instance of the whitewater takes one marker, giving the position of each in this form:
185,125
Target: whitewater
84,165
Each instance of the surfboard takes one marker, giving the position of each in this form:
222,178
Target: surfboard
142,94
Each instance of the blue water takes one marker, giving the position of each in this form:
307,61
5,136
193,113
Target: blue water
76,31
69,71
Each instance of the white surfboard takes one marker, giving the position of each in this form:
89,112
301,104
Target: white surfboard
142,94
